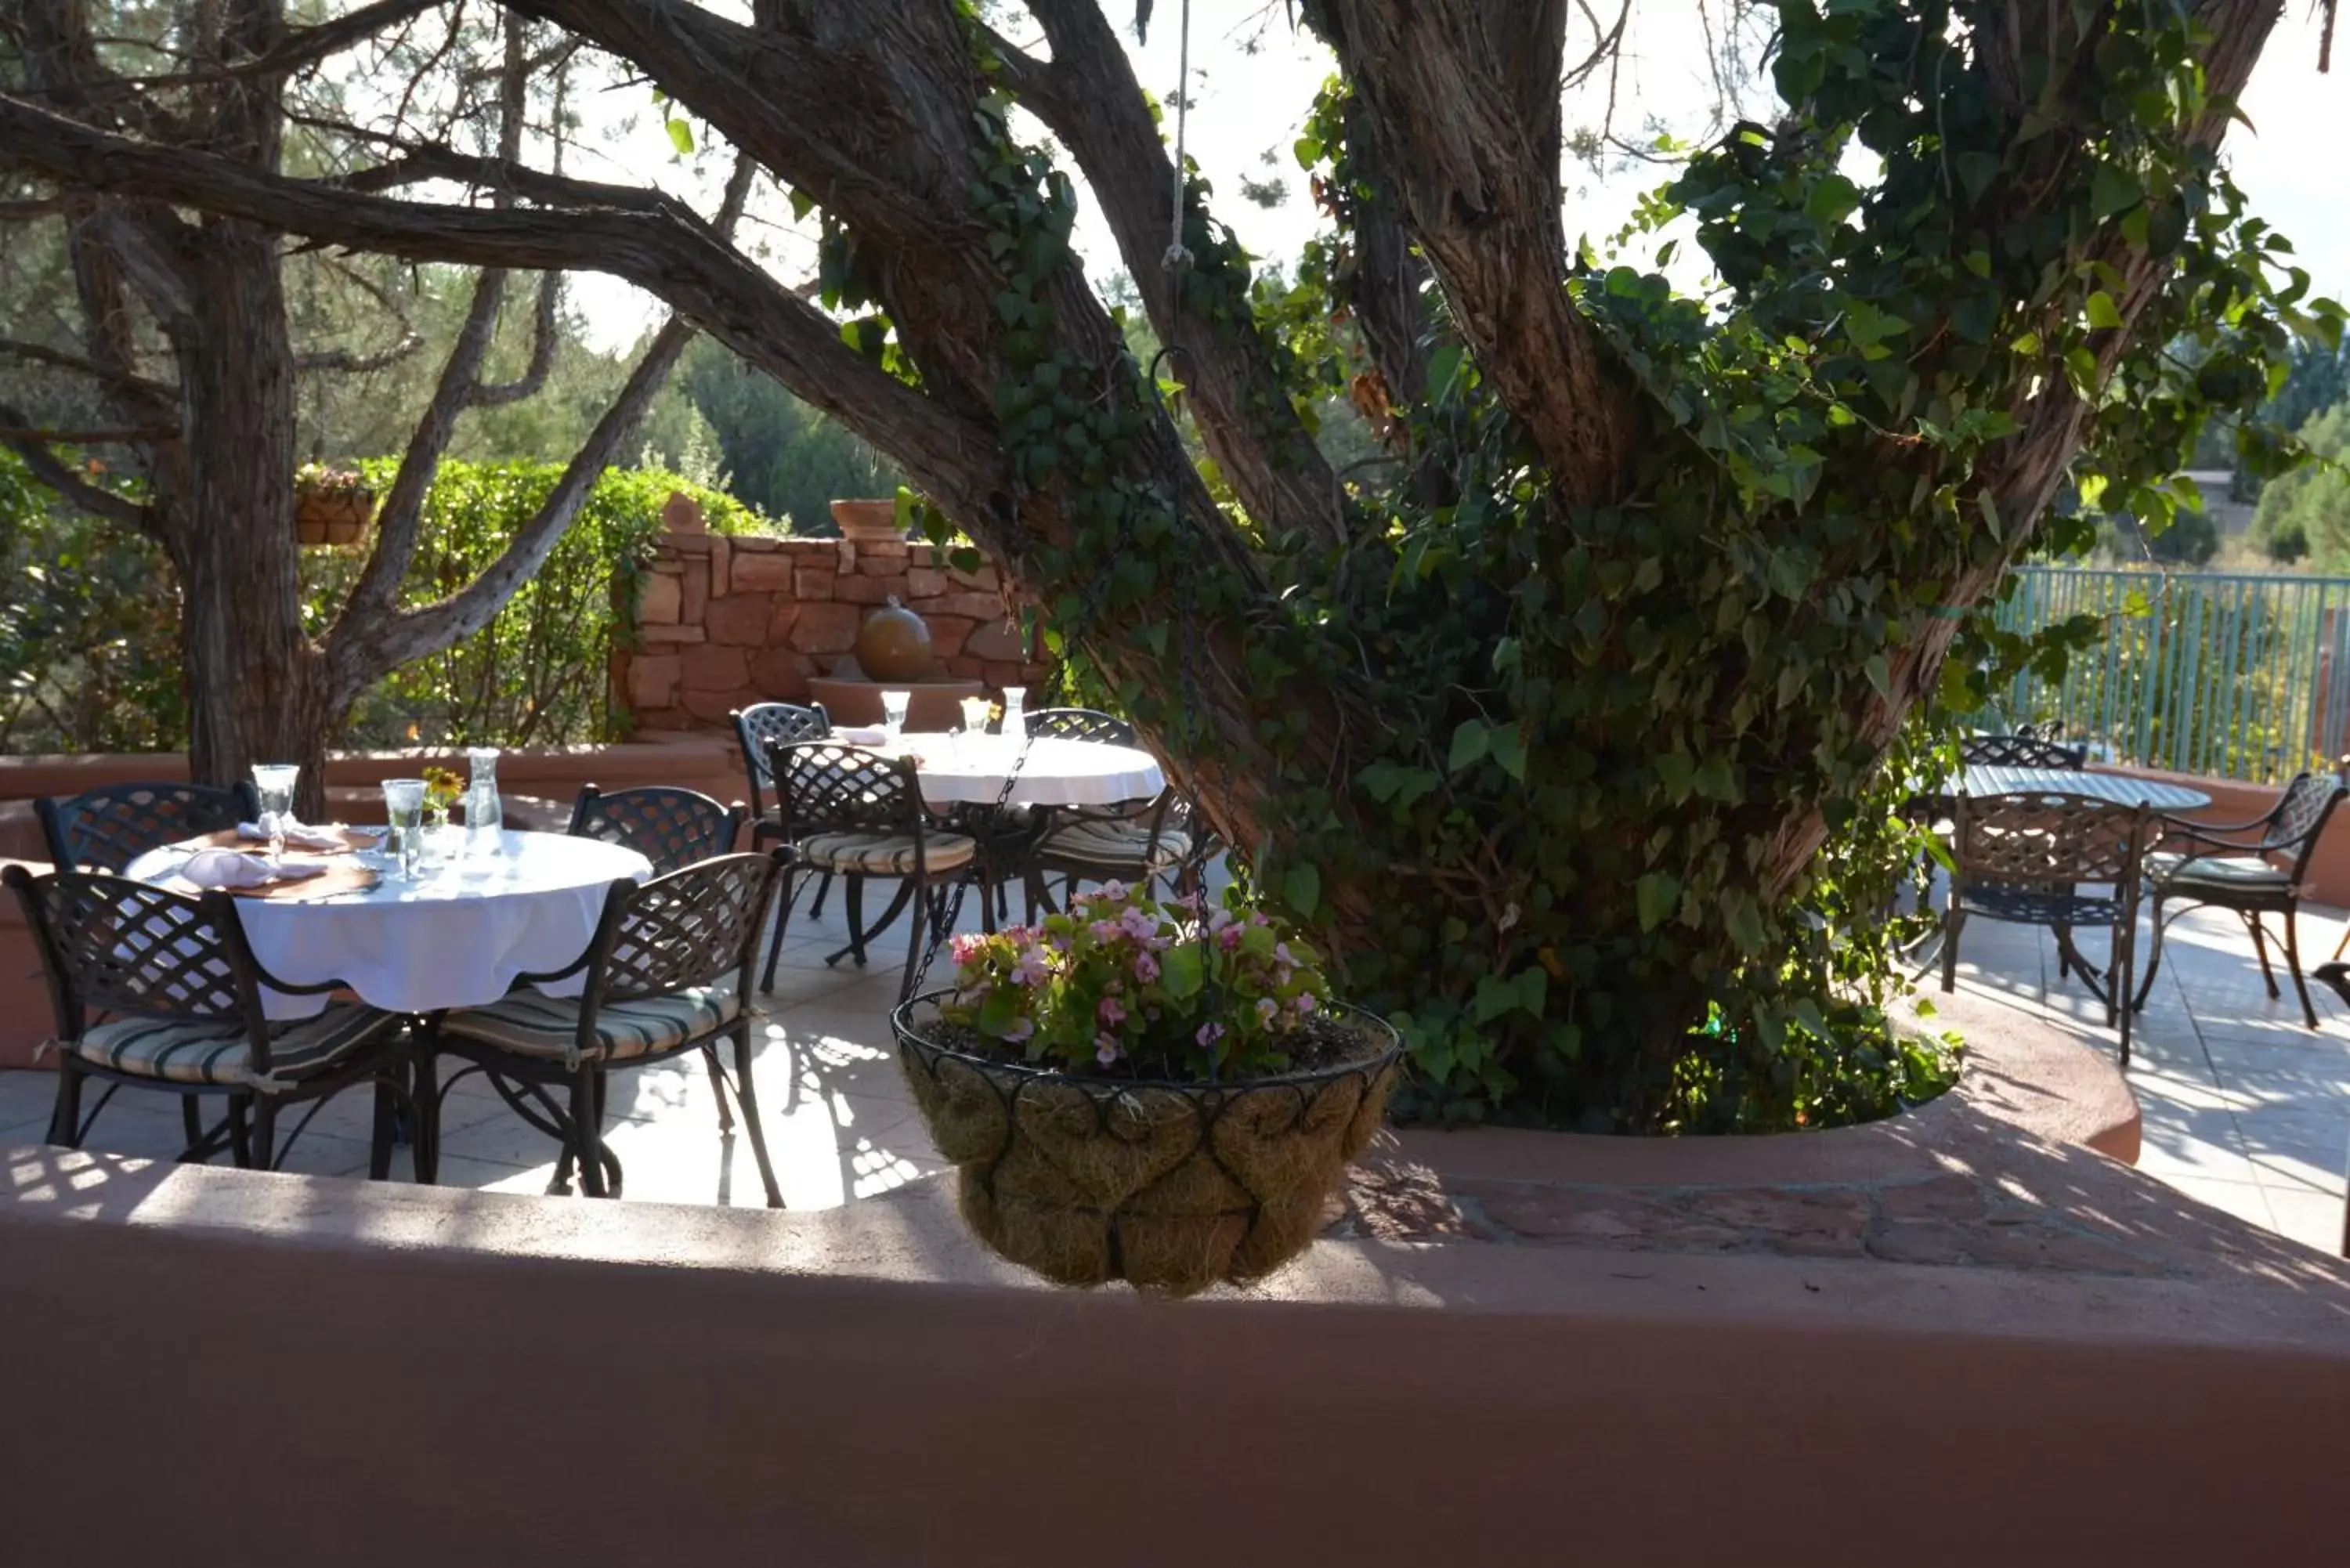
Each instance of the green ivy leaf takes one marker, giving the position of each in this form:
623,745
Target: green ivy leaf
1302,887
2104,313
1659,893
1469,745
680,136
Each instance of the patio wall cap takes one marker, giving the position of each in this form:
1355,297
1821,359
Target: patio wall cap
655,757
912,1240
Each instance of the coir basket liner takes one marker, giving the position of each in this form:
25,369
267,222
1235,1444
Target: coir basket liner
1171,1187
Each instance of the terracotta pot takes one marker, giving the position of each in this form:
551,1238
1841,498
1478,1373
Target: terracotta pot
874,521
332,516
1173,1187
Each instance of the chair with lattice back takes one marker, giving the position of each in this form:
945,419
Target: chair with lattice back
2021,750
669,826
2051,859
667,972
859,813
1133,842
105,829
183,1004
758,728
2252,869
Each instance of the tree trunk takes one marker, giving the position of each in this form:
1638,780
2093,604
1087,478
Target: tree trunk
255,693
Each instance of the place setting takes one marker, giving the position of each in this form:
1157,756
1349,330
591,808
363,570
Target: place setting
275,857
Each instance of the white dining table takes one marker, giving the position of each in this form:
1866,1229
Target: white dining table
964,769
457,935
2122,789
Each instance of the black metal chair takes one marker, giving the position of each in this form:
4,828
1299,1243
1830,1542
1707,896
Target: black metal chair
2020,749
105,829
2244,875
182,993
2026,857
758,728
668,971
1079,724
671,827
1133,842
859,815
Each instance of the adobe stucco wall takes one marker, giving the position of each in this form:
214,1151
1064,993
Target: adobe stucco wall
725,622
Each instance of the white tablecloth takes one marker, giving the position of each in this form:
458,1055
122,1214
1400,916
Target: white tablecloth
970,770
456,937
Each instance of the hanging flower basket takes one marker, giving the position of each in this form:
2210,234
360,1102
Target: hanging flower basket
331,506
1168,1183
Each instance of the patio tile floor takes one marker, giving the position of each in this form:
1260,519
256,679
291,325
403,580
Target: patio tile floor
2244,1108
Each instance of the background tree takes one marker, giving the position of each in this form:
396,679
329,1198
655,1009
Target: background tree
183,334
1550,727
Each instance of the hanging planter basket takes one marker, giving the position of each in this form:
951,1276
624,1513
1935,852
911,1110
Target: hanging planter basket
336,516
1173,1187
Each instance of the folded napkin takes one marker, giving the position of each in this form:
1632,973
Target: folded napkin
863,735
234,868
296,836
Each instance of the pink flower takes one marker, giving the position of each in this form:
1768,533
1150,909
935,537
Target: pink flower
1105,1049
1229,938
1281,954
1281,973
1033,968
1113,890
1210,1034
1259,918
1020,1030
1304,1003
1219,918
1146,968
1109,1012
1104,930
1138,925
1266,1010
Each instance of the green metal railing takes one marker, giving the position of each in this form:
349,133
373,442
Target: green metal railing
2229,676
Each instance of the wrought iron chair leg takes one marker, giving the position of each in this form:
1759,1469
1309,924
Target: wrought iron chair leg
854,897
718,1085
2153,963
858,933
2117,980
2292,962
240,1135
264,1132
921,907
750,1099
387,1126
2261,947
1954,923
65,1120
192,1119
782,920
587,1131
823,885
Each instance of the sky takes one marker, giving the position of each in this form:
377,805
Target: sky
1254,78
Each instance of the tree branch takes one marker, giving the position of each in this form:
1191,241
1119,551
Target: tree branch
1089,98
666,251
543,342
1463,103
113,374
59,475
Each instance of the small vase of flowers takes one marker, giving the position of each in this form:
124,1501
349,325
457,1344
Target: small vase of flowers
442,790
1161,1092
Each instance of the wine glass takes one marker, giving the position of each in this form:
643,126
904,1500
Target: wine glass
974,715
403,808
273,783
893,712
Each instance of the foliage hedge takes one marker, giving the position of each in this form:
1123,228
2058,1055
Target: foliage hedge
538,674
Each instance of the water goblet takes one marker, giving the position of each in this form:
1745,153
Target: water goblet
403,808
893,712
273,783
974,715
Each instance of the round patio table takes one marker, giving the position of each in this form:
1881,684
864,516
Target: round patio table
2122,789
970,770
457,935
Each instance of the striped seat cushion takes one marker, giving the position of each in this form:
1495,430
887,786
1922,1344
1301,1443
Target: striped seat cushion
885,854
205,1051
533,1024
2234,871
1118,844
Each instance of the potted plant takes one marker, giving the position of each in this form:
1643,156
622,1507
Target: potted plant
332,506
869,522
1161,1093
